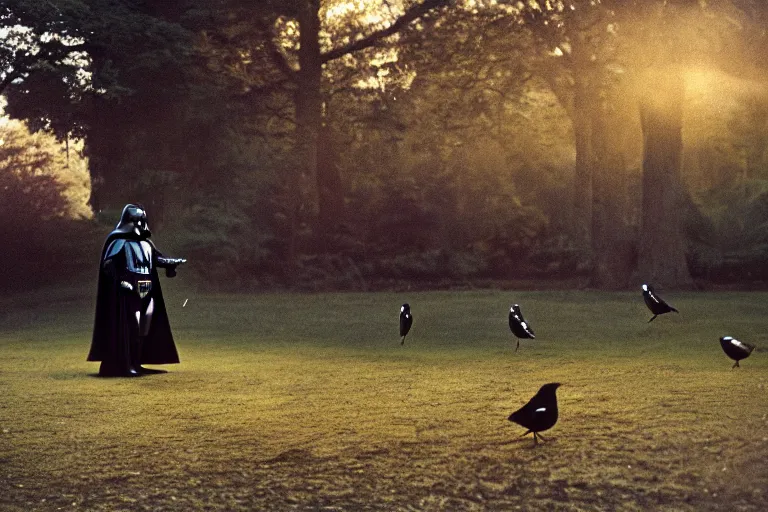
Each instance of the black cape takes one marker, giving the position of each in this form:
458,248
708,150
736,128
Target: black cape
111,330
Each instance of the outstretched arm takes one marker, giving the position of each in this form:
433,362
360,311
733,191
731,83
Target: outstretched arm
169,264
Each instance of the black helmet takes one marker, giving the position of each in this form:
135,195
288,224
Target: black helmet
134,221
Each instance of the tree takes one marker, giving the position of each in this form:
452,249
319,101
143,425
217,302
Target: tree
660,41
304,70
107,71
31,193
467,151
650,43
662,248
42,202
23,51
574,47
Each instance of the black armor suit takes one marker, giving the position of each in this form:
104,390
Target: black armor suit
131,326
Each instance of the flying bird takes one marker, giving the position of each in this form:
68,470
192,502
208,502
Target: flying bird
735,349
518,325
406,320
656,304
540,413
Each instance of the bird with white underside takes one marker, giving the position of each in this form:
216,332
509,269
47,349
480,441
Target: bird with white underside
406,321
518,325
735,349
656,304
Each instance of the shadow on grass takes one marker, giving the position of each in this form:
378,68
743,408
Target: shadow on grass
72,376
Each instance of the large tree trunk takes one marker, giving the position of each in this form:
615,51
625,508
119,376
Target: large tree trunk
319,182
329,184
612,247
578,101
309,103
661,258
302,183
583,105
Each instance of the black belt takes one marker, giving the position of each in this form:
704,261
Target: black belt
144,288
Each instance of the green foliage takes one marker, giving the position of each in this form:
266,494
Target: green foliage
737,247
44,231
29,190
467,187
749,130
229,234
454,163
728,239
117,74
213,241
41,179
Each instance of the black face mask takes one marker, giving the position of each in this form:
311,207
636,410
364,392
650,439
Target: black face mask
134,221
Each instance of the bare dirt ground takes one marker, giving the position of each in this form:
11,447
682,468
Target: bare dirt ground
308,402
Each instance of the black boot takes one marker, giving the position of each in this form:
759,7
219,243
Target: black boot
135,368
110,369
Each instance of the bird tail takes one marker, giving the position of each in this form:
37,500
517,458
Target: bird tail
673,309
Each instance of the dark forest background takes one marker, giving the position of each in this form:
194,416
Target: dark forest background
328,144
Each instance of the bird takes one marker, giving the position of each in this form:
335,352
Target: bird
406,320
735,349
540,413
656,304
519,326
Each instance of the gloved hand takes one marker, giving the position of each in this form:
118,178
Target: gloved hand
170,265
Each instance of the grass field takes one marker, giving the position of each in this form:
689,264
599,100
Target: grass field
308,402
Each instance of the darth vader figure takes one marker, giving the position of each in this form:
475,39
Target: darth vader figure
131,326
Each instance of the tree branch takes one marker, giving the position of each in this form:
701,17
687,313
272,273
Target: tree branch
10,77
51,52
372,39
275,55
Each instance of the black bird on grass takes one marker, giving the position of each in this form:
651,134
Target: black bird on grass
540,413
735,349
406,320
518,325
656,304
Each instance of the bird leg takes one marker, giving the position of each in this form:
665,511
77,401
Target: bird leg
518,345
651,320
542,437
402,342
735,365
